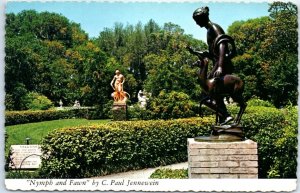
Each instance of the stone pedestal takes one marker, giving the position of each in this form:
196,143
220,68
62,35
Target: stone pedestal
119,111
222,159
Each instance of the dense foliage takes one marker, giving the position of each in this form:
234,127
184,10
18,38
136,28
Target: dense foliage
171,105
52,56
275,132
22,117
268,54
49,55
121,146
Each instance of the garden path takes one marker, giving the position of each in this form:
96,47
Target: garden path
142,174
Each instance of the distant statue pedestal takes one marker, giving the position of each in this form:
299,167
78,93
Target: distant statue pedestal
119,111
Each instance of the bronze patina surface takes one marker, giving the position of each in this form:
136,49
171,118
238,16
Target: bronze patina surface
219,83
224,133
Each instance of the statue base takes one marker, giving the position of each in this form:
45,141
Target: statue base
237,159
223,133
119,111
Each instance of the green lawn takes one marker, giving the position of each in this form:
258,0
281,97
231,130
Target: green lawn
17,134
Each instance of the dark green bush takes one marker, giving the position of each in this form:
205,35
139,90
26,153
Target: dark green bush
21,174
258,102
9,102
275,131
139,113
119,146
171,106
21,117
170,174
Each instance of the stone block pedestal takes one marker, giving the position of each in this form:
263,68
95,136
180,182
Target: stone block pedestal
119,111
222,159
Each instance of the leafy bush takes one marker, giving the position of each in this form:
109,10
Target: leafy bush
258,102
36,101
275,131
21,117
9,102
118,146
170,174
171,106
136,112
21,175
121,146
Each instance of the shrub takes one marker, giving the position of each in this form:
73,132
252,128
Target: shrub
171,106
118,146
285,162
137,112
36,101
21,174
170,174
22,117
121,146
258,102
9,102
275,131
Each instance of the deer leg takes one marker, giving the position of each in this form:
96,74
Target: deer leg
217,116
240,114
201,103
239,99
225,116
210,103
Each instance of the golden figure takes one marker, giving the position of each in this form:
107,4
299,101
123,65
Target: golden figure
117,82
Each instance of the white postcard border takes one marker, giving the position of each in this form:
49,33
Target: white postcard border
189,185
153,185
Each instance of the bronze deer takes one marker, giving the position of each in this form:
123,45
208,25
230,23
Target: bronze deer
219,87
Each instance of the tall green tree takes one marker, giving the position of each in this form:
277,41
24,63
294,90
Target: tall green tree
280,52
268,54
248,36
48,54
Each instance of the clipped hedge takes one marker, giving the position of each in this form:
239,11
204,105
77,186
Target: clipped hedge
119,146
22,117
275,131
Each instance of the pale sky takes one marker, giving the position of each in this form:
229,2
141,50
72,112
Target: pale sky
95,16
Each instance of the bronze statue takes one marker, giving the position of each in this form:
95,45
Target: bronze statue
219,82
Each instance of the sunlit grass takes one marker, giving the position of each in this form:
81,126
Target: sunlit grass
17,134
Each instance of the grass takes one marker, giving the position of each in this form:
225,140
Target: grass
17,134
167,173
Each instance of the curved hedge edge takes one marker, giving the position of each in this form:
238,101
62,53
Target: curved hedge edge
116,147
22,117
122,146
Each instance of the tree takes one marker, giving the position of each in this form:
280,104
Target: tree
267,54
280,51
248,36
44,53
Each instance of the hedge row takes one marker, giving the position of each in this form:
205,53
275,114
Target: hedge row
275,131
119,146
22,117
